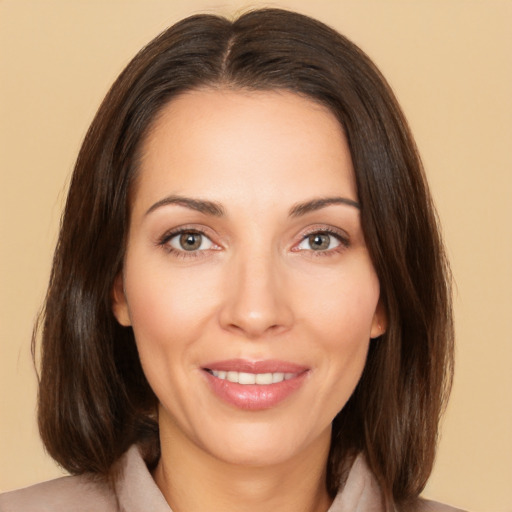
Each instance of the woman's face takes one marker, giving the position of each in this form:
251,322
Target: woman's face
246,278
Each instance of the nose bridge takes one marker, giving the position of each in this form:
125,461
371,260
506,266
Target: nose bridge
256,302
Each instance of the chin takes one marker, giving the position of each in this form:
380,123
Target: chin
257,445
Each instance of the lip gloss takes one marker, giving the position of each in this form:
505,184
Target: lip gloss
287,378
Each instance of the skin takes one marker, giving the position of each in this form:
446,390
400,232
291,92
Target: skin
256,288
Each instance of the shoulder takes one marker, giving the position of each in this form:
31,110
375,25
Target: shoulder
361,492
66,494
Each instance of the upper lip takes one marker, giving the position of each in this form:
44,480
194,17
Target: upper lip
264,366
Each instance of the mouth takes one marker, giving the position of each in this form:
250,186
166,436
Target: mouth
254,385
244,378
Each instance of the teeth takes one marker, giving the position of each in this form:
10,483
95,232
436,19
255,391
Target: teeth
232,376
246,378
263,378
253,378
277,377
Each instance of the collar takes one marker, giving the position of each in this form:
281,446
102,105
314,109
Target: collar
137,492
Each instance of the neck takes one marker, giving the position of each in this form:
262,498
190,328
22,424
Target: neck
191,479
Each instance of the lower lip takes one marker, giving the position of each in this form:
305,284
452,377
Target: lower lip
254,397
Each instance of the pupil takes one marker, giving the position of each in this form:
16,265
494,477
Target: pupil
190,241
319,241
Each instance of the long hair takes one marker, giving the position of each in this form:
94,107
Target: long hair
94,400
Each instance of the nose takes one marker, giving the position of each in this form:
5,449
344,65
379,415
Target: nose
255,301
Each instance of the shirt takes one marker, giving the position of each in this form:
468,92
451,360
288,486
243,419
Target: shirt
135,490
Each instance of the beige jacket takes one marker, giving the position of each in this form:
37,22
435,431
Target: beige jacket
135,491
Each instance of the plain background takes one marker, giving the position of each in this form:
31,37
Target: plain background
450,64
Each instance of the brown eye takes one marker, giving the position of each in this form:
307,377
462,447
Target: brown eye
190,241
319,241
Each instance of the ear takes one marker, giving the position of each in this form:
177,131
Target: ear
119,303
379,322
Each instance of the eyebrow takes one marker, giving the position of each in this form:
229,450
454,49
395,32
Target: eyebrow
216,209
199,205
317,204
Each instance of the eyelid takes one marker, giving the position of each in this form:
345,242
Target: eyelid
175,241
163,240
341,235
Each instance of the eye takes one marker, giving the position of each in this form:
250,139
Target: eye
320,241
190,241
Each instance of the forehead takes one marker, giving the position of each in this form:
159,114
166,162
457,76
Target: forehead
227,143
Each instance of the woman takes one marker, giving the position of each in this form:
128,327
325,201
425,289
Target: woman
249,306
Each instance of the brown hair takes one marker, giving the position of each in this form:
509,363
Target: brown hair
94,400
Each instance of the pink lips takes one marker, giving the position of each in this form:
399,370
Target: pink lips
255,396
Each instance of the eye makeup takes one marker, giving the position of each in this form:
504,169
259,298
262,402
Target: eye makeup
192,242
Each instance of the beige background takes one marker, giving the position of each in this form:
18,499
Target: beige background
450,63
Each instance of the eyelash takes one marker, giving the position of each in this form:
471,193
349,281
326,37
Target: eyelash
169,235
342,239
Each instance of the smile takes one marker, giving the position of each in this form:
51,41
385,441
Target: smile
245,378
254,385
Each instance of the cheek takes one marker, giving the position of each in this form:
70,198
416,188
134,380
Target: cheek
344,323
169,310
343,304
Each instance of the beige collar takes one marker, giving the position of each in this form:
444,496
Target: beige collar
136,490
